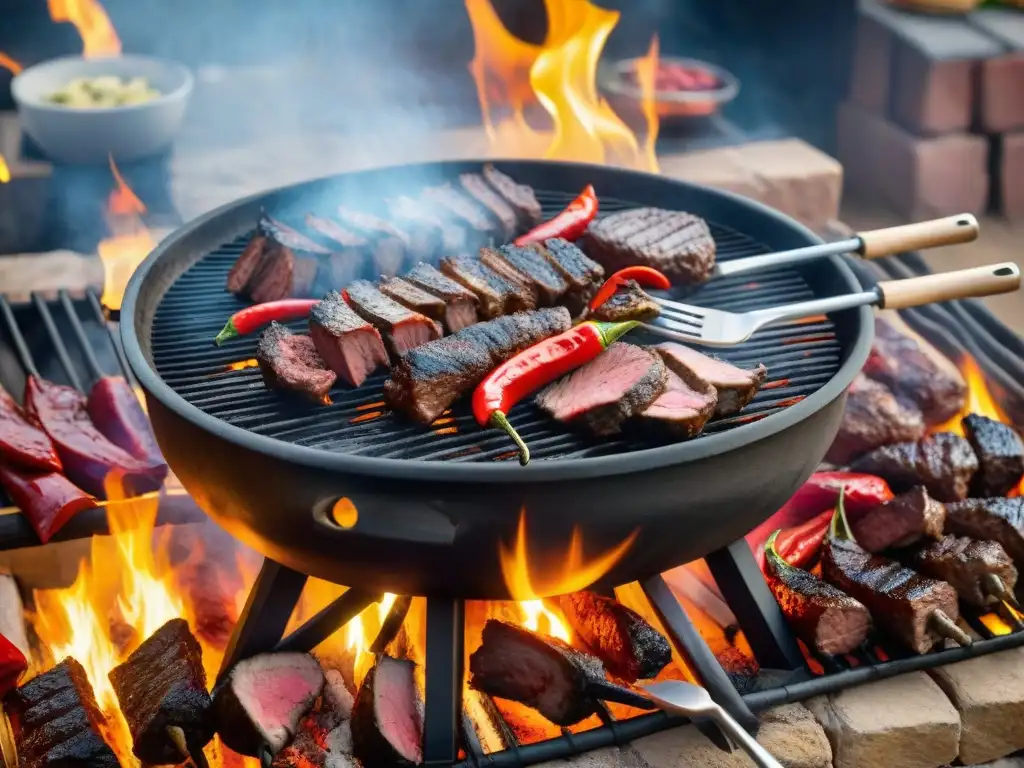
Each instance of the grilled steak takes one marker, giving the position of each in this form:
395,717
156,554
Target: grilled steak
414,298
541,672
350,346
498,296
56,721
521,197
245,265
994,519
387,724
461,302
686,404
873,417
278,263
900,522
533,268
966,564
387,243
583,274
914,370
628,645
1000,453
500,209
428,231
674,242
465,211
429,378
735,386
601,395
827,619
629,302
901,602
943,463
263,698
490,258
289,361
162,685
401,328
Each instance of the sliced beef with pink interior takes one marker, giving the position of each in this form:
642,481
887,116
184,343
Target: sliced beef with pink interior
413,297
873,417
401,328
736,386
263,698
287,266
350,345
387,724
685,406
242,270
289,361
900,522
520,196
621,382
460,302
498,207
629,302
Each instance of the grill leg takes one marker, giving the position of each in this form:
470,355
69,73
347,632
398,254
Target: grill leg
744,589
443,716
268,607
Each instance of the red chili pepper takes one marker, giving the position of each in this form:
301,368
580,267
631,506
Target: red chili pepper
22,442
12,666
648,277
47,499
537,366
569,224
255,317
799,545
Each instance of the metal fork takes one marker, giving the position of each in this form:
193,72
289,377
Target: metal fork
715,328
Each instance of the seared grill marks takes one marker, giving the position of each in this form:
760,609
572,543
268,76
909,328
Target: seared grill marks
350,345
289,362
995,519
900,522
401,328
1000,453
498,295
629,302
943,463
980,571
460,303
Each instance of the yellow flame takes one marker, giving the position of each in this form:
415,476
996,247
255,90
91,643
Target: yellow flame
99,38
130,241
533,610
5,172
361,632
241,365
979,399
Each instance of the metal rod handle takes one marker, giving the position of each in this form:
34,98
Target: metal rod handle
761,756
786,258
962,284
950,230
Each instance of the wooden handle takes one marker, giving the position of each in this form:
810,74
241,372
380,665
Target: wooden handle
915,237
962,284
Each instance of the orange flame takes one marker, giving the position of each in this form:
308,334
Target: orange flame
576,574
130,241
6,62
99,38
513,78
979,399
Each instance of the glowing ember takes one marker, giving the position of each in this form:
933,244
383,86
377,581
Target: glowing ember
514,79
241,365
979,398
99,38
130,242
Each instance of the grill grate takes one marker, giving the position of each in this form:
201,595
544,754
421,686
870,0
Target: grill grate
800,358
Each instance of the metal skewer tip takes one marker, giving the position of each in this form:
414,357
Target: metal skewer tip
943,625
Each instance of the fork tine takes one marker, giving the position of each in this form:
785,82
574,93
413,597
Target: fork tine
695,320
687,309
672,329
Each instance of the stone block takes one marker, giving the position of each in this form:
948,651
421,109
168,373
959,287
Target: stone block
902,722
609,757
872,64
1010,184
719,168
1001,96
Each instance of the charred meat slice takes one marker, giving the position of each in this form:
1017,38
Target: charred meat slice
530,265
620,637
497,295
56,721
263,698
245,265
429,378
915,371
685,406
278,263
601,395
465,211
414,298
541,672
351,346
736,387
290,362
827,619
332,234
401,328
497,206
491,259
873,417
584,275
900,522
461,302
428,231
629,302
387,723
901,602
943,463
1000,453
521,197
980,571
162,685
994,519
674,242
387,244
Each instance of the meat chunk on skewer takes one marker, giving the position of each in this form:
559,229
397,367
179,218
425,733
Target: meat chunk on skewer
736,387
289,362
57,722
873,417
943,463
387,724
994,519
980,571
351,346
521,197
429,378
460,302
161,686
583,274
624,640
603,394
1000,453
497,295
900,522
401,328
629,302
685,406
474,185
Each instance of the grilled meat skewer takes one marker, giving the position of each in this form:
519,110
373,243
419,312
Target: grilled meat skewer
994,519
900,522
1000,453
943,463
980,571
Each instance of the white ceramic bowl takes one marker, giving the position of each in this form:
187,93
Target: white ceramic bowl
90,136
